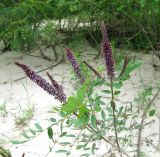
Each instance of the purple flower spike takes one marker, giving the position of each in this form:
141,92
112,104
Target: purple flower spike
58,87
75,65
107,52
54,83
41,82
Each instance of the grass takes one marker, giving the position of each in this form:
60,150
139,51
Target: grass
4,152
24,116
3,109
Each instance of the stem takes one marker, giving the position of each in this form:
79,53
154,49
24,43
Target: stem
139,135
97,45
159,133
142,123
108,141
114,116
74,142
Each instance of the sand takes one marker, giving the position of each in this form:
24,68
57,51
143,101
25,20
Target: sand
24,92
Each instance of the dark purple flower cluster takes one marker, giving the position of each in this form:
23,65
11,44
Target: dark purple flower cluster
54,83
75,65
43,83
107,52
56,86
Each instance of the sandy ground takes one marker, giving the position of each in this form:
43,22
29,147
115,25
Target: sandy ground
24,92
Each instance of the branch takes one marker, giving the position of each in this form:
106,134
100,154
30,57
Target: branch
142,123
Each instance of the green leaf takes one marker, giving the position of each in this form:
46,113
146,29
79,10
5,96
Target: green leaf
53,120
62,114
106,91
98,82
90,91
132,66
87,148
138,126
65,143
124,77
83,110
121,122
55,109
93,148
78,123
103,115
63,134
147,92
85,155
98,136
117,92
117,85
107,84
38,127
120,110
110,110
71,105
152,112
97,108
61,126
17,142
70,135
93,121
86,119
79,147
32,131
81,94
50,133
26,135
62,151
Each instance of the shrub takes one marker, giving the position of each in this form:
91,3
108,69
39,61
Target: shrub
94,117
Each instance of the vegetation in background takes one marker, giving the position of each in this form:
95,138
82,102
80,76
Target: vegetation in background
131,24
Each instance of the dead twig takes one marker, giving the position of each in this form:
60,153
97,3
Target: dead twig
43,55
92,69
53,46
126,60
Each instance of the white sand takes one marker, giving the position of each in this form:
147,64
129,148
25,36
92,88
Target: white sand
14,93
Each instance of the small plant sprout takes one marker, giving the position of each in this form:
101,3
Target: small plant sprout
24,116
3,109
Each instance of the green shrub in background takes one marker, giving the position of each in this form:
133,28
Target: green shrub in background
131,23
19,23
134,22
